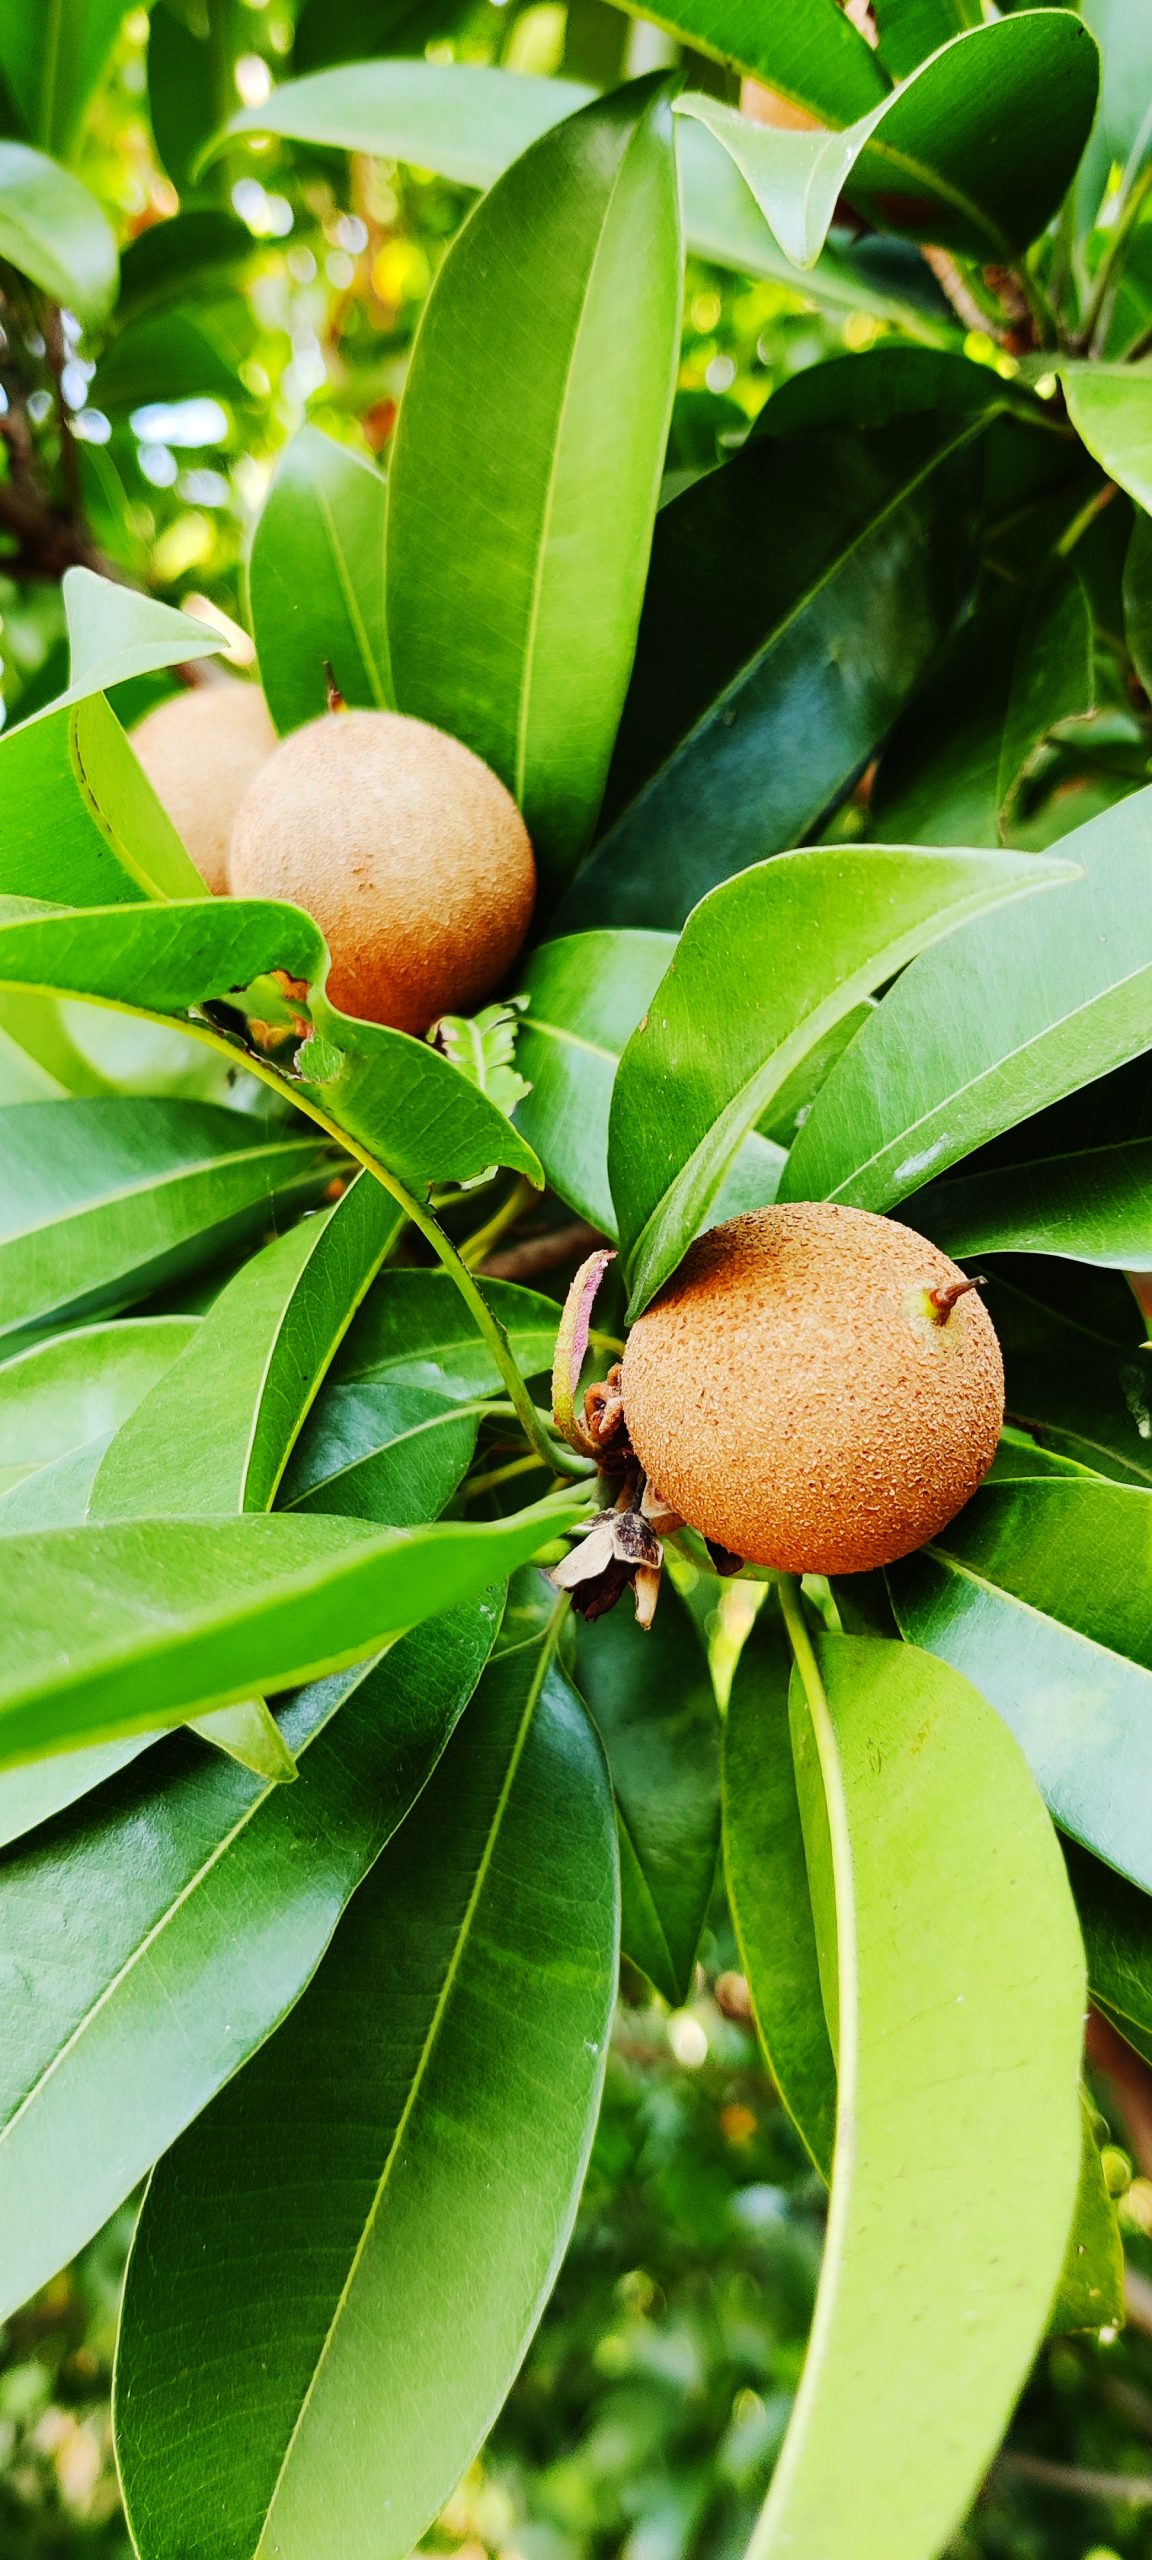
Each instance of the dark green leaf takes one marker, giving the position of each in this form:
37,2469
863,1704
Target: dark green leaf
191,254
166,355
156,1937
912,29
553,327
653,1703
1116,1921
1138,599
316,581
768,1886
763,970
431,2169
1090,2293
1081,1383
586,995
1017,1011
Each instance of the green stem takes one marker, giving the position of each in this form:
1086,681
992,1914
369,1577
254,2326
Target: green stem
480,1245
1044,319
501,1475
1098,311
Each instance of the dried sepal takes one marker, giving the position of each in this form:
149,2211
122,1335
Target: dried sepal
571,1345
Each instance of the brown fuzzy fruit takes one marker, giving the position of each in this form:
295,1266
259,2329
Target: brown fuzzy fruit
412,857
795,1396
200,751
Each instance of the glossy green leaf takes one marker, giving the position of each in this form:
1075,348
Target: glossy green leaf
193,253
79,821
129,1625
52,60
183,99
1116,1921
651,1697
1039,1593
1017,1011
1124,35
403,1102
167,355
1077,1378
795,598
1090,2294
1093,1206
586,995
102,1201
154,1939
768,1886
394,1428
316,582
468,122
815,58
80,1386
764,968
952,768
431,2168
959,1972
514,591
53,230
1110,407
114,634
1138,599
910,30
936,159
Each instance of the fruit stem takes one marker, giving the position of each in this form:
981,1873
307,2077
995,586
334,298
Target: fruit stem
942,1300
479,1246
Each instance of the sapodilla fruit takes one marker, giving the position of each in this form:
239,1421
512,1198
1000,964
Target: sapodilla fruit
797,1395
200,751
410,854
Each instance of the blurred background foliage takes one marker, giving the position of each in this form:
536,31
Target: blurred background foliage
286,284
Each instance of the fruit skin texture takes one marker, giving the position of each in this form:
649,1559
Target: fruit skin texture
200,752
792,1397
412,857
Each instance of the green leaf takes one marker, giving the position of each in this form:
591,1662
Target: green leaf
162,1890
959,1972
316,582
126,1626
790,612
911,29
1090,2293
102,1201
62,1394
936,159
190,255
435,2168
817,58
1124,35
586,994
768,1886
764,968
1137,593
53,230
514,591
1117,1924
651,1697
403,1102
183,100
1110,406
167,355
114,634
1094,1205
483,1047
394,1428
1019,1010
952,769
52,61
1038,1593
1079,1379
468,122
79,821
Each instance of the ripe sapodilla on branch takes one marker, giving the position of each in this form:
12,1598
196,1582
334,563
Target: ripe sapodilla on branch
200,751
407,850
818,1390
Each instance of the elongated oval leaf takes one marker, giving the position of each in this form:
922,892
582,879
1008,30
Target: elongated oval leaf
157,1937
651,1697
586,995
764,968
936,158
53,230
1018,1011
514,593
316,582
1111,409
401,1100
768,1886
114,634
78,1387
1091,1206
959,1971
102,1201
432,2167
52,61
79,821
1039,1592
128,1625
